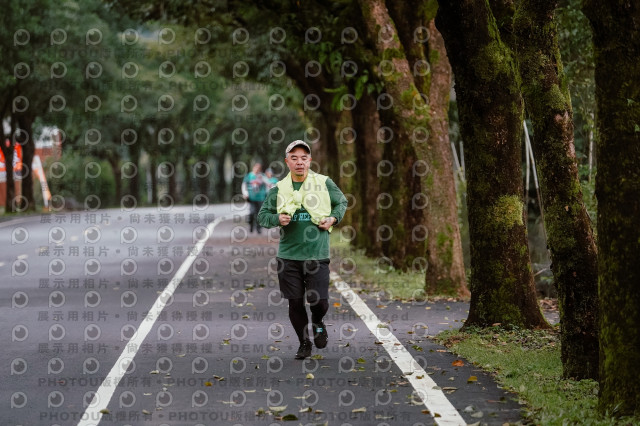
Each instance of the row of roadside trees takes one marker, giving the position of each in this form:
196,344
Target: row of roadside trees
367,82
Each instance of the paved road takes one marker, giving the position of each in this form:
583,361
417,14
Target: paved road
172,317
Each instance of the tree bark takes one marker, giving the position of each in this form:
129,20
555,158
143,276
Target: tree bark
431,71
368,153
114,161
187,190
153,167
325,152
616,39
402,232
491,112
172,182
134,181
569,233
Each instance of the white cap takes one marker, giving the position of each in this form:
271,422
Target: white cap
297,143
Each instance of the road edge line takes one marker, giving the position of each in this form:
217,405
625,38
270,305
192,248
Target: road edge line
432,397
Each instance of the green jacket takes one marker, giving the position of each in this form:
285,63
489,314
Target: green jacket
301,239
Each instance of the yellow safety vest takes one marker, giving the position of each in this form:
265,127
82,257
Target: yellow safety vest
313,195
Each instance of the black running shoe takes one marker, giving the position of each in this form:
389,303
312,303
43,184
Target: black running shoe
304,351
320,335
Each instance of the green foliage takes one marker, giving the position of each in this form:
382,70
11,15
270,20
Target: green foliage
72,177
576,49
379,275
244,135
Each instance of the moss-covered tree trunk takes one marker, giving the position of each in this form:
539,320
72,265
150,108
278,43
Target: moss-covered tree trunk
446,263
368,153
491,112
569,233
416,230
616,39
431,72
402,232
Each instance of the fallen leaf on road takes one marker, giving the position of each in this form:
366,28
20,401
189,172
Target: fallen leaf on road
289,417
381,417
477,414
104,411
208,384
359,410
472,379
310,376
458,363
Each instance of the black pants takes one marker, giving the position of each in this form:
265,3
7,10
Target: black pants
254,208
300,279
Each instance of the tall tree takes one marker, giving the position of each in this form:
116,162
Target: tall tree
366,122
569,233
491,113
616,39
422,211
431,72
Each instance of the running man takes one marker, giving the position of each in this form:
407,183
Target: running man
306,205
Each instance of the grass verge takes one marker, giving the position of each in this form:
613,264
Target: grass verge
527,362
375,274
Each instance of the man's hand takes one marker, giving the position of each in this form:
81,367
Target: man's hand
284,219
327,223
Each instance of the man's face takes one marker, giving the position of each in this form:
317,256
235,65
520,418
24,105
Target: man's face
257,168
298,161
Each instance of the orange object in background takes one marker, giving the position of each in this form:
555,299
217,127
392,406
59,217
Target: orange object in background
17,164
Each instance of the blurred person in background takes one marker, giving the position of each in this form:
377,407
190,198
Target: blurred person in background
254,189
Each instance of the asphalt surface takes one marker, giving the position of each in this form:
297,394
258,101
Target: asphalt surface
77,287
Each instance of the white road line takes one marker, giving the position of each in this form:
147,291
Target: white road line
432,397
92,414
